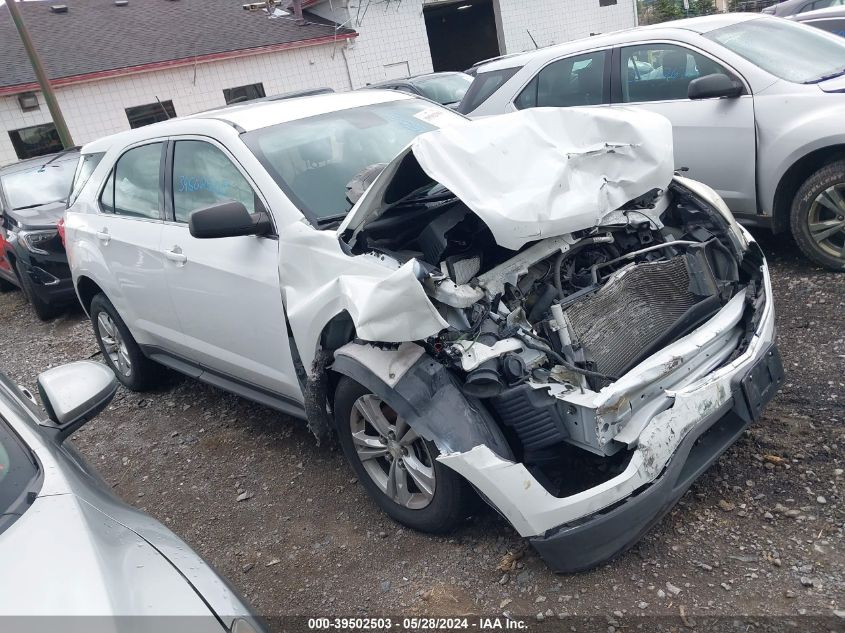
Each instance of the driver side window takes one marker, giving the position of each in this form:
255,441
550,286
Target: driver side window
202,176
662,72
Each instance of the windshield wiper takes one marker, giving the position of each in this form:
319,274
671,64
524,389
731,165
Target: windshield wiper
330,220
59,155
37,204
832,75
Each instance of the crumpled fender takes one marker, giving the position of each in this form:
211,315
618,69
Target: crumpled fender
385,301
425,394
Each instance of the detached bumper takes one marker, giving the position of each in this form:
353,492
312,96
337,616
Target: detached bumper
601,536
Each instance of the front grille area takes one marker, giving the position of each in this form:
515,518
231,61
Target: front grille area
633,315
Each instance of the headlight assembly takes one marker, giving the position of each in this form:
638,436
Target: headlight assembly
36,241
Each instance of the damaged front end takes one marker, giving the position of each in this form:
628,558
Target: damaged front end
597,359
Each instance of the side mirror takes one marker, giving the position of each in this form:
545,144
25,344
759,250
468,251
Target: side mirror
228,219
713,87
74,393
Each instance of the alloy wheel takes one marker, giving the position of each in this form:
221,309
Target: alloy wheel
826,220
113,343
393,455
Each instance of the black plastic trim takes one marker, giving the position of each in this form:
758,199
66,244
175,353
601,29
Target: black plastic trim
231,384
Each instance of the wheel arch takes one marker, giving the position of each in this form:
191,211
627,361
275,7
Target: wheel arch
425,393
86,290
795,176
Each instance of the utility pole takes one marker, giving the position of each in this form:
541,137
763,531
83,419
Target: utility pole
40,73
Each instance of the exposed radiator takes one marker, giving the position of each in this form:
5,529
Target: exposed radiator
636,313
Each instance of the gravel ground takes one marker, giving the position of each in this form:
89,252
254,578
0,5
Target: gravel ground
760,533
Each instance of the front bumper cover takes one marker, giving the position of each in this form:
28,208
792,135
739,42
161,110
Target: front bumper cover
606,534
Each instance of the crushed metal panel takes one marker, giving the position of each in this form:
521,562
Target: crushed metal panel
541,172
385,301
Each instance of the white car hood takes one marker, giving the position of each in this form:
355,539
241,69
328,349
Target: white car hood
536,173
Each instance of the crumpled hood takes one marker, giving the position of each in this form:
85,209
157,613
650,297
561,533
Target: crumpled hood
536,173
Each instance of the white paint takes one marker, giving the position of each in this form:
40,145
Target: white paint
542,172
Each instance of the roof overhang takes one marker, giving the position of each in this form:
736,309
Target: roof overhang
176,63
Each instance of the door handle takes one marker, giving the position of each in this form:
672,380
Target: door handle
175,255
104,236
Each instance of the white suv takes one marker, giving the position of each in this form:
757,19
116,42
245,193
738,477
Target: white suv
533,305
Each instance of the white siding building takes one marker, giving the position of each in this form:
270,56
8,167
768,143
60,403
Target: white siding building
111,65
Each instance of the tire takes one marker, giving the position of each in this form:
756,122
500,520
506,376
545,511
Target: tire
43,310
120,351
451,499
817,219
7,286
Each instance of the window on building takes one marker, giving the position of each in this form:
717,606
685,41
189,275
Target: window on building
243,93
36,140
139,116
202,176
606,3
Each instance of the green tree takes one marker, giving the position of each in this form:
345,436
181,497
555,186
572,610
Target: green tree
665,10
702,7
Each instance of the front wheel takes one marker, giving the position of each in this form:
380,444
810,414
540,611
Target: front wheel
817,219
398,468
120,351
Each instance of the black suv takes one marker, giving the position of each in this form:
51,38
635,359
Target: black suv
33,196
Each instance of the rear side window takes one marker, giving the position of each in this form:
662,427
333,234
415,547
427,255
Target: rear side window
202,176
573,81
84,168
484,85
137,178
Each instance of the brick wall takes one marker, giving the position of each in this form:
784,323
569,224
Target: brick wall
97,108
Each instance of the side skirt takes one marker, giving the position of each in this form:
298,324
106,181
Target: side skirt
233,385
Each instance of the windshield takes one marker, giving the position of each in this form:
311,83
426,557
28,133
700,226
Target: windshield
484,85
42,184
18,470
444,88
84,168
313,159
793,52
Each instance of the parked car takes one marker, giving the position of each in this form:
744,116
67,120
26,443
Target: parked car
831,19
794,7
33,196
77,550
446,88
531,303
758,123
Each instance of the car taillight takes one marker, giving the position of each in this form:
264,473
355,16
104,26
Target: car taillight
60,227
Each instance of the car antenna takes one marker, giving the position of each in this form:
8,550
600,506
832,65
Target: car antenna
163,109
533,41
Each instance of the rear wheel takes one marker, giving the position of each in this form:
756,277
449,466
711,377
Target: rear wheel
817,219
134,370
43,310
398,468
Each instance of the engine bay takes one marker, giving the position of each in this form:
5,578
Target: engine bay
534,333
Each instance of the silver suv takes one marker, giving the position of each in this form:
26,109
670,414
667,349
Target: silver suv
755,103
